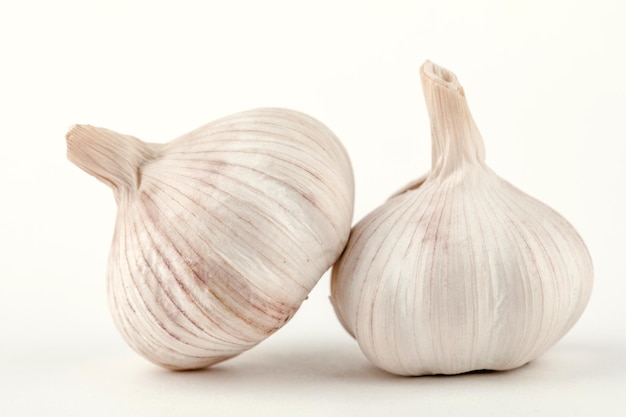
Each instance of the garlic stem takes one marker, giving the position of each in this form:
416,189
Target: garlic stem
113,158
456,140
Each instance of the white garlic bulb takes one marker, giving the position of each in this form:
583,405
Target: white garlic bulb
220,234
459,271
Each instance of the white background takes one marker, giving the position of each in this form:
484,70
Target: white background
545,81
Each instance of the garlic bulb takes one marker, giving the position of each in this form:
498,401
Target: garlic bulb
459,271
220,234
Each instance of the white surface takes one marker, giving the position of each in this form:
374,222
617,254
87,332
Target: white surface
545,83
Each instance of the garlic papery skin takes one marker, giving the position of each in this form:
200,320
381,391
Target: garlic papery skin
220,234
460,271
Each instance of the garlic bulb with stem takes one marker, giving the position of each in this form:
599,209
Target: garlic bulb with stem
460,270
220,234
